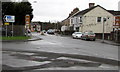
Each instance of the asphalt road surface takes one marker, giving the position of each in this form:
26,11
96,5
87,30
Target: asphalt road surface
59,53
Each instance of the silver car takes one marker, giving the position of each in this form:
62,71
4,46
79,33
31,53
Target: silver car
77,34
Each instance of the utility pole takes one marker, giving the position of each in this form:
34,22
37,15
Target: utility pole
57,26
104,20
12,30
42,25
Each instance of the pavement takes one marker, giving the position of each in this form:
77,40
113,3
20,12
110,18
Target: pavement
108,42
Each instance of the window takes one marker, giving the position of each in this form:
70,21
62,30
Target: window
80,19
71,21
99,19
76,20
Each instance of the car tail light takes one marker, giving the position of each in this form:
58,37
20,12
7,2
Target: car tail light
92,35
86,35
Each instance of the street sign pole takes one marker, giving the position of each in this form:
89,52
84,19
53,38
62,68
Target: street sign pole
27,23
6,30
12,30
103,34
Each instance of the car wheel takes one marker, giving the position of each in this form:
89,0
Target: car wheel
81,38
86,39
93,39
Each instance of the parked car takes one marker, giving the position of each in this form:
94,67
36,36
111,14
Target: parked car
77,34
51,31
88,36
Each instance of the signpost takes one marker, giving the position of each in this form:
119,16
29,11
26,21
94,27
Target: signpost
9,18
6,23
27,23
6,27
117,27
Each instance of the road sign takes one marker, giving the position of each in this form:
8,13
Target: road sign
117,22
6,23
9,18
27,19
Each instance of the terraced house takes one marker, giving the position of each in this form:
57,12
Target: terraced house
95,18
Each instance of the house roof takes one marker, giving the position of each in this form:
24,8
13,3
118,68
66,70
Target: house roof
85,11
114,12
89,9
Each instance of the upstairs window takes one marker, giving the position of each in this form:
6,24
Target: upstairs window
80,19
99,19
71,21
76,19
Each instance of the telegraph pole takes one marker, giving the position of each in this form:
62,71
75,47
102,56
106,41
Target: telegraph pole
104,20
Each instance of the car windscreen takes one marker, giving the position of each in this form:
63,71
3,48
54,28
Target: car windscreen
78,33
91,33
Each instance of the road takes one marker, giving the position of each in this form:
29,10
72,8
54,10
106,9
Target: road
59,52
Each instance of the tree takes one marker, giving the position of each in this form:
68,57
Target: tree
22,9
19,10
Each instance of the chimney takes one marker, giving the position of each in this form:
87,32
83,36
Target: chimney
91,5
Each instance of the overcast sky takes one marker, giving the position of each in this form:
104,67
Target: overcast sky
57,10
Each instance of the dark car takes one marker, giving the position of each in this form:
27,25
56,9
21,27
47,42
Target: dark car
44,31
51,31
88,36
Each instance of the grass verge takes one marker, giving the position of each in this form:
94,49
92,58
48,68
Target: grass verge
15,38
